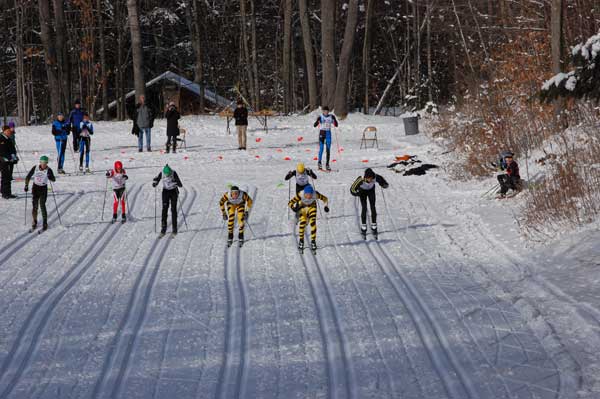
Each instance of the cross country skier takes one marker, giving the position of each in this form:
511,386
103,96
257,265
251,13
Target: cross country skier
170,195
39,190
60,131
119,177
511,179
325,121
364,188
302,175
238,204
86,129
305,206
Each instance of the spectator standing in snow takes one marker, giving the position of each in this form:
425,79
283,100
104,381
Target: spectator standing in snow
172,115
60,131
75,118
86,130
8,157
12,125
241,123
143,119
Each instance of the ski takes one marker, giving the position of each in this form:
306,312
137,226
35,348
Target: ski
173,235
364,234
241,243
229,243
161,235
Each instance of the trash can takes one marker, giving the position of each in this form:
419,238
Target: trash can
411,125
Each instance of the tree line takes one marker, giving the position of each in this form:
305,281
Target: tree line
288,55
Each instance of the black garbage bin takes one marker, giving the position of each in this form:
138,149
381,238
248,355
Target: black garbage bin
411,125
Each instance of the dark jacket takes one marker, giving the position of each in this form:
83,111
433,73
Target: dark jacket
241,116
356,190
75,118
292,173
8,152
512,170
172,116
134,116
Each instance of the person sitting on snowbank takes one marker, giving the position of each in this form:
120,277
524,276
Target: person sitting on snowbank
511,179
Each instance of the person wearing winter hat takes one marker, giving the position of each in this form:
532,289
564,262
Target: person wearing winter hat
172,116
40,174
364,188
119,177
241,123
511,179
238,204
75,118
8,157
13,137
170,195
302,176
325,121
86,130
60,131
305,206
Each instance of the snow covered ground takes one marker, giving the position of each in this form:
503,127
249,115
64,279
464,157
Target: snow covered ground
449,303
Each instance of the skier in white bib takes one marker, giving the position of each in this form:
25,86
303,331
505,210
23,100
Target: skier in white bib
302,176
170,194
41,174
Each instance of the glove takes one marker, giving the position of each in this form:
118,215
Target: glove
154,184
224,216
245,216
296,208
326,209
108,173
26,188
386,185
125,177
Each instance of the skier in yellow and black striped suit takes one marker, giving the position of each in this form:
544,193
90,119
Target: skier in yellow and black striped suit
239,203
305,206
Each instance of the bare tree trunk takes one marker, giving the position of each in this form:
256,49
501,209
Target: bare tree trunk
557,53
50,56
104,74
328,52
254,56
136,44
286,59
62,53
246,52
311,75
366,55
120,34
429,67
21,106
197,45
341,88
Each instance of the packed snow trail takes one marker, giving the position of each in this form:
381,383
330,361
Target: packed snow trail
436,308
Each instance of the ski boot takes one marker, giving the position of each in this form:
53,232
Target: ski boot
61,171
45,226
114,218
229,240
33,227
241,239
320,166
87,170
328,168
363,231
174,234
163,231
301,246
313,247
123,218
374,230
80,168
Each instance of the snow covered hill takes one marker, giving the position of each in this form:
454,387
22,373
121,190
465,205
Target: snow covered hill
449,303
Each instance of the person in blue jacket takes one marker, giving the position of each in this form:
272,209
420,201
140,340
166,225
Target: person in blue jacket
60,131
325,121
75,118
86,130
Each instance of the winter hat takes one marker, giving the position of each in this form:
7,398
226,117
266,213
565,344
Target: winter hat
300,168
325,108
60,114
240,102
77,101
369,173
118,165
167,170
234,188
11,124
43,159
308,189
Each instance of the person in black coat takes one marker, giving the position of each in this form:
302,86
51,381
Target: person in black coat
172,116
241,123
8,157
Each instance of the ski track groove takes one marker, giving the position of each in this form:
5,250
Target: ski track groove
176,295
339,377
20,241
117,359
57,345
511,331
236,327
427,328
367,312
35,323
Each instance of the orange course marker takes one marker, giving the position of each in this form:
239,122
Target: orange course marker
258,139
365,161
300,138
287,158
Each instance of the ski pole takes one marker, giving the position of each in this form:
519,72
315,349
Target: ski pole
490,190
183,213
55,203
127,204
289,197
104,202
383,196
251,231
25,208
316,195
155,209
